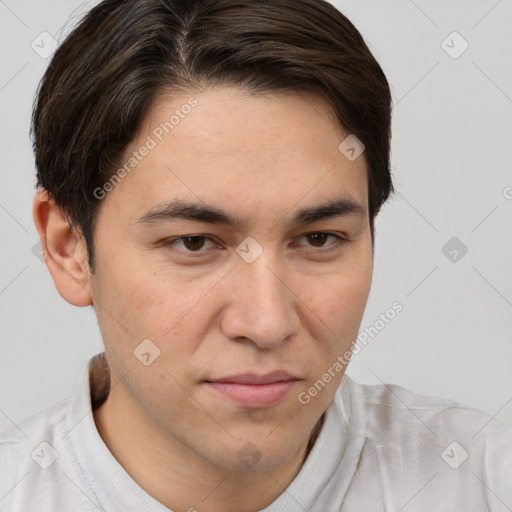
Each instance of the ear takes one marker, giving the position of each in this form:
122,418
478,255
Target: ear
65,251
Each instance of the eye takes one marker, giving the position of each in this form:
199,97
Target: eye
317,240
188,243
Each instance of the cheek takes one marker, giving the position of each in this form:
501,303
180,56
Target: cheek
172,310
339,299
142,297
338,309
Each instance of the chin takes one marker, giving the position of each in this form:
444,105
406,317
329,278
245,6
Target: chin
254,456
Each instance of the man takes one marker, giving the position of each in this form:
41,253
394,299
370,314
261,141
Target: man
209,175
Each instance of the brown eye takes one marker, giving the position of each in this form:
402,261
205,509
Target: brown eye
193,243
318,239
190,243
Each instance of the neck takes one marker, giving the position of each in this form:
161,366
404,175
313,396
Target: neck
176,476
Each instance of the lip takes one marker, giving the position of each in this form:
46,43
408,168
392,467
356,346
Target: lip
254,391
254,378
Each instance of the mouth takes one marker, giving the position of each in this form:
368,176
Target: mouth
253,391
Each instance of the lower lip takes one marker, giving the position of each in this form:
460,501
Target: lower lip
254,396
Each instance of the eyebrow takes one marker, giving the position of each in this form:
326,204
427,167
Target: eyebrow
201,212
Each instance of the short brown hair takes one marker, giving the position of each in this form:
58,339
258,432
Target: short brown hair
125,53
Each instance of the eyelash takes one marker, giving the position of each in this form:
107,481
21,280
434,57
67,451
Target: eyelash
340,241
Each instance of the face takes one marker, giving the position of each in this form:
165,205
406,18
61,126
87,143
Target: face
222,291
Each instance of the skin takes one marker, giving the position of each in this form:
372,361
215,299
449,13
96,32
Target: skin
297,306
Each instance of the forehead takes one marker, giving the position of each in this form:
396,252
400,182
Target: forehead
235,149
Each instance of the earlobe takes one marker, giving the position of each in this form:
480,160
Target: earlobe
64,251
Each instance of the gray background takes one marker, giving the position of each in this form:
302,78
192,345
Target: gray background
452,134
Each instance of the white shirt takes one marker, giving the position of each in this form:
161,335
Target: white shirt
381,448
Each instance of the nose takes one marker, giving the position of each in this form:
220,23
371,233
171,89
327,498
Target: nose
260,305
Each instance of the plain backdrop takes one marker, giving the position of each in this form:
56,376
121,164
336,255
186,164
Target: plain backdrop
449,65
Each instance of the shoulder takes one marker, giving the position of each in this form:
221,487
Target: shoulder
390,406
21,437
28,451
412,440
39,467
